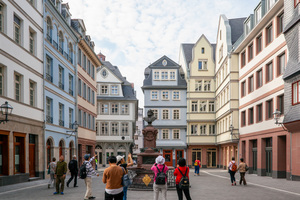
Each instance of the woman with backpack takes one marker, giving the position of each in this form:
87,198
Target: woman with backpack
182,179
232,167
160,178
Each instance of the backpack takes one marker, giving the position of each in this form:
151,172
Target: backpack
184,182
126,181
82,171
196,163
161,177
233,167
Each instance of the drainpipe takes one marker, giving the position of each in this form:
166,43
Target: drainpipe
188,127
43,103
291,177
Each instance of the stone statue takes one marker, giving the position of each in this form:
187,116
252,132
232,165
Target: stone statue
150,117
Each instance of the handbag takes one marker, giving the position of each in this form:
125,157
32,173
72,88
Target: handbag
247,168
48,169
126,181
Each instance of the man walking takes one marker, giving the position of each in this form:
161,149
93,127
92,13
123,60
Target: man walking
60,174
243,169
73,167
89,173
112,177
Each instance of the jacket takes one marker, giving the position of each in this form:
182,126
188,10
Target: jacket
179,175
242,167
61,168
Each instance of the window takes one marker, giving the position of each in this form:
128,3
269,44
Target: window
176,114
269,72
32,93
124,128
250,84
165,134
248,26
104,108
84,91
259,111
243,59
250,52
93,72
84,62
198,86
70,84
257,14
206,86
61,77
176,95
202,65
104,89
79,117
61,114
31,42
155,113
243,88
203,130
280,104
61,43
165,95
79,87
114,109
280,24
269,109
89,67
49,69
18,87
17,30
165,114
114,89
243,118
89,94
211,106
84,119
70,117
164,75
154,95
202,106
202,50
269,4
1,80
1,17
124,109
114,128
194,129
220,52
250,116
259,78
258,44
269,34
194,106
172,75
212,129
176,134
79,57
19,153
49,30
281,64
70,50
156,75
296,92
49,118
104,128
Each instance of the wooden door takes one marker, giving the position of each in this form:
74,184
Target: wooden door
32,160
179,154
168,157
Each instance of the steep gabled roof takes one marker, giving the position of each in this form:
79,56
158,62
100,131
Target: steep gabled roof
237,28
115,70
188,52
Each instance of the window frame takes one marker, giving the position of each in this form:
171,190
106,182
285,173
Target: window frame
269,30
166,96
194,106
104,109
250,118
155,113
297,91
250,84
2,17
207,85
32,93
269,77
2,80
116,89
269,104
165,114
174,95
258,78
20,85
176,114
243,88
259,43
105,88
104,128
250,52
243,118
194,129
163,132
243,59
114,108
176,131
203,65
153,93
16,26
32,42
280,104
281,69
280,23
124,109
259,111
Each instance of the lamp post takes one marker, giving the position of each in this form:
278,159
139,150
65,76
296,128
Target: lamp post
277,115
6,110
231,130
75,128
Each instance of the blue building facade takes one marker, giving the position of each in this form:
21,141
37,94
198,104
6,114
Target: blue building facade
165,93
60,44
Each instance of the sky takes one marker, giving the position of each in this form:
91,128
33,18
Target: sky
132,34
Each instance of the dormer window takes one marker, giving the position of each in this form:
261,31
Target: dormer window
257,14
114,89
248,26
57,4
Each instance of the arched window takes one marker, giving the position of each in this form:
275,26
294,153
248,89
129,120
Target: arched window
61,42
71,150
61,148
70,51
49,147
49,29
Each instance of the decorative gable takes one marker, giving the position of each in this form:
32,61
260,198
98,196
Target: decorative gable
104,74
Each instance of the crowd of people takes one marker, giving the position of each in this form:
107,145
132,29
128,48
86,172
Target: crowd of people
115,176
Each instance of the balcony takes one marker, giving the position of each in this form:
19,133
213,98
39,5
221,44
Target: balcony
61,122
49,119
61,50
70,91
49,38
55,45
49,78
61,85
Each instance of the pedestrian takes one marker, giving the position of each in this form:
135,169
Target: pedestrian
96,162
180,171
197,165
232,167
243,169
51,170
160,170
112,177
73,167
89,173
60,175
122,163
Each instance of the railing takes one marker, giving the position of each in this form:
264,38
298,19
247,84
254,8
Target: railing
66,55
49,119
61,50
61,85
55,45
49,77
71,59
49,38
61,122
70,91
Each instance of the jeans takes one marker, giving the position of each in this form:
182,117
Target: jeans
114,196
157,189
51,180
185,191
60,180
73,175
88,183
232,174
242,179
125,193
197,169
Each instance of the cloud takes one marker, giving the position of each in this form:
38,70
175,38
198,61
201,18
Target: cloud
134,33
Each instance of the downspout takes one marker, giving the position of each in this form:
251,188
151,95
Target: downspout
291,176
44,98
76,98
188,127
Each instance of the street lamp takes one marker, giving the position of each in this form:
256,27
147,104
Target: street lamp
231,128
75,128
6,110
277,114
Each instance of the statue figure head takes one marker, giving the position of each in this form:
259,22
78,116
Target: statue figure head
150,113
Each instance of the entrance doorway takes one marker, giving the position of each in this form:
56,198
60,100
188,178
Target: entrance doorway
179,154
269,157
196,155
32,155
168,157
212,157
254,156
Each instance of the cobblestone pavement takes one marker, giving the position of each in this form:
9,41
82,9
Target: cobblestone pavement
211,184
